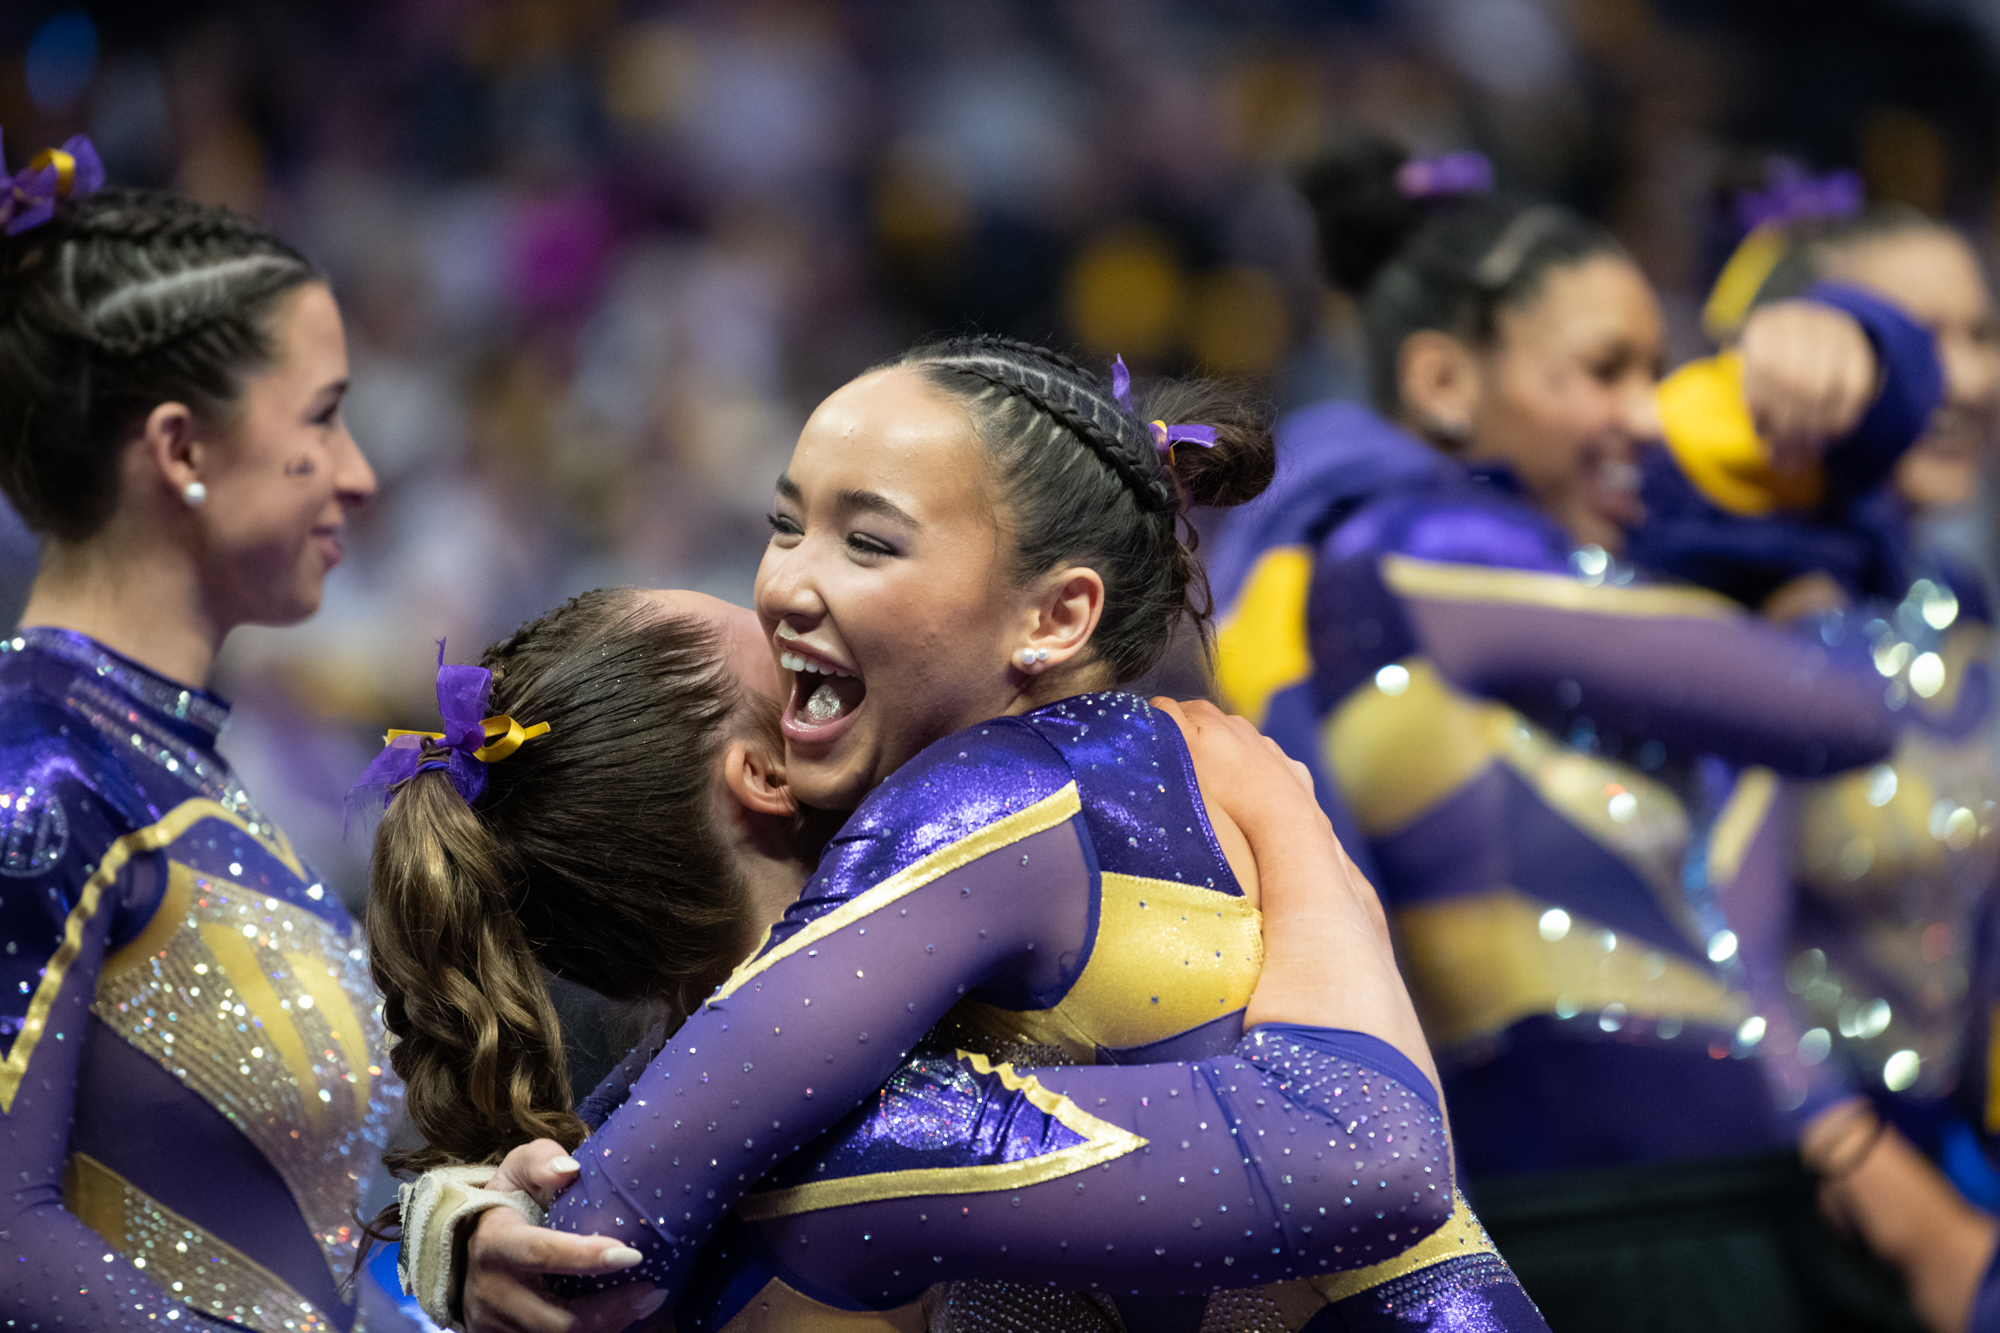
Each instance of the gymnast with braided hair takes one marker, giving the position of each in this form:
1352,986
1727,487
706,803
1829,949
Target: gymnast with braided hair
1008,1059
190,1060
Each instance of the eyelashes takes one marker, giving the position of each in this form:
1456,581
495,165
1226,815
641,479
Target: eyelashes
302,467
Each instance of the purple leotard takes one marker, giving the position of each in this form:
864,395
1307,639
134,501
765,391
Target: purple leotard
1049,887
193,1090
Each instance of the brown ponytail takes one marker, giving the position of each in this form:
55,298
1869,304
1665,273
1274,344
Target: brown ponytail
481,1052
593,853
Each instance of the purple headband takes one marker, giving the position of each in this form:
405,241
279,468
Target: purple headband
469,742
1165,437
28,197
1452,173
1796,195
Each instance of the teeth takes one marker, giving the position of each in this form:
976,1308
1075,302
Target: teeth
800,662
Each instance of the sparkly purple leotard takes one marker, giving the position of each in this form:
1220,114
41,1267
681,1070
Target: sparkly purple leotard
1590,911
1049,888
192,1090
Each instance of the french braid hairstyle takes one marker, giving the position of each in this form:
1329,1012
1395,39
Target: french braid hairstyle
594,853
126,299
1085,484
1451,263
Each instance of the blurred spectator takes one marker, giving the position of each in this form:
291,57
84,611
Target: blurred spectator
600,257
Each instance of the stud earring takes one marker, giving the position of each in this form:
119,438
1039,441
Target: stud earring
194,495
1030,658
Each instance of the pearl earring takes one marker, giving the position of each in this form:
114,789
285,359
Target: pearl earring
1030,658
194,495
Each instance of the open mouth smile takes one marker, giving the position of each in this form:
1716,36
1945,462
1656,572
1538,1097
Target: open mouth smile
825,696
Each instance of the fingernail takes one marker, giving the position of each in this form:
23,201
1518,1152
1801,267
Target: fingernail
650,1304
565,1164
622,1256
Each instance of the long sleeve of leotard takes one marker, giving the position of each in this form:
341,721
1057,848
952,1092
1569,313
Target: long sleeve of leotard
1263,1130
969,873
60,1272
1306,1151
1483,592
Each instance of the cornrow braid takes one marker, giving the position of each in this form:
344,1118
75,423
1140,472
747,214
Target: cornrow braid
124,300
1085,484
1101,427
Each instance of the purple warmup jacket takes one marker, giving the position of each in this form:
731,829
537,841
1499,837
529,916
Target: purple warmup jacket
193,1091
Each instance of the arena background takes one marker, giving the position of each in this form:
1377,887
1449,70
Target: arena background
598,260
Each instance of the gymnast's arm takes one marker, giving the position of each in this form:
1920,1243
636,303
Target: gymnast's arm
1314,1147
56,925
1264,1093
1680,666
964,873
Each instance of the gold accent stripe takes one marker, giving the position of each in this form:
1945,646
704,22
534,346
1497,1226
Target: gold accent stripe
1261,645
1052,810
1461,1234
1993,1068
1104,1142
1169,957
1452,581
1478,964
184,1258
244,971
777,1308
152,838
1397,756
1742,815
316,975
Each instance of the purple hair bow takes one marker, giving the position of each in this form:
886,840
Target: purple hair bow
1452,173
1796,195
469,742
1165,437
28,197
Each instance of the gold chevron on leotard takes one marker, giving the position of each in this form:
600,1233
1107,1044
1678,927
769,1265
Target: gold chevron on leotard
1103,1142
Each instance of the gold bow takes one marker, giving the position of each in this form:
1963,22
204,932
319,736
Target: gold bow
65,165
510,734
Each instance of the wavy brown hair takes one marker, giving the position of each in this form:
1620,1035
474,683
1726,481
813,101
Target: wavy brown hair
594,852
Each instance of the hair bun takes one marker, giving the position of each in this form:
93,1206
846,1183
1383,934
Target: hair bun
1361,215
1239,465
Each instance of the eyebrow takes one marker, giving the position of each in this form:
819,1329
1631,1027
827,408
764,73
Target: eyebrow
867,502
870,502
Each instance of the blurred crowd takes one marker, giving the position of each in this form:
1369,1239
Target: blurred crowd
598,259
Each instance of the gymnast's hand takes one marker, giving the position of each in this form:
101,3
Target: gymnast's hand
505,1259
1809,373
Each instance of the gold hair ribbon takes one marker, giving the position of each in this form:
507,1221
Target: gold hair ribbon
64,163
509,733
1752,262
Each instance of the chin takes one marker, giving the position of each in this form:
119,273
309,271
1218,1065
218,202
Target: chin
829,786
287,610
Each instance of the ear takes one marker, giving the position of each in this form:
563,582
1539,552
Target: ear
170,444
1065,616
1439,379
755,776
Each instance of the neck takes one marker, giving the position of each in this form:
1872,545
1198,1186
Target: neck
145,604
773,860
1088,677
